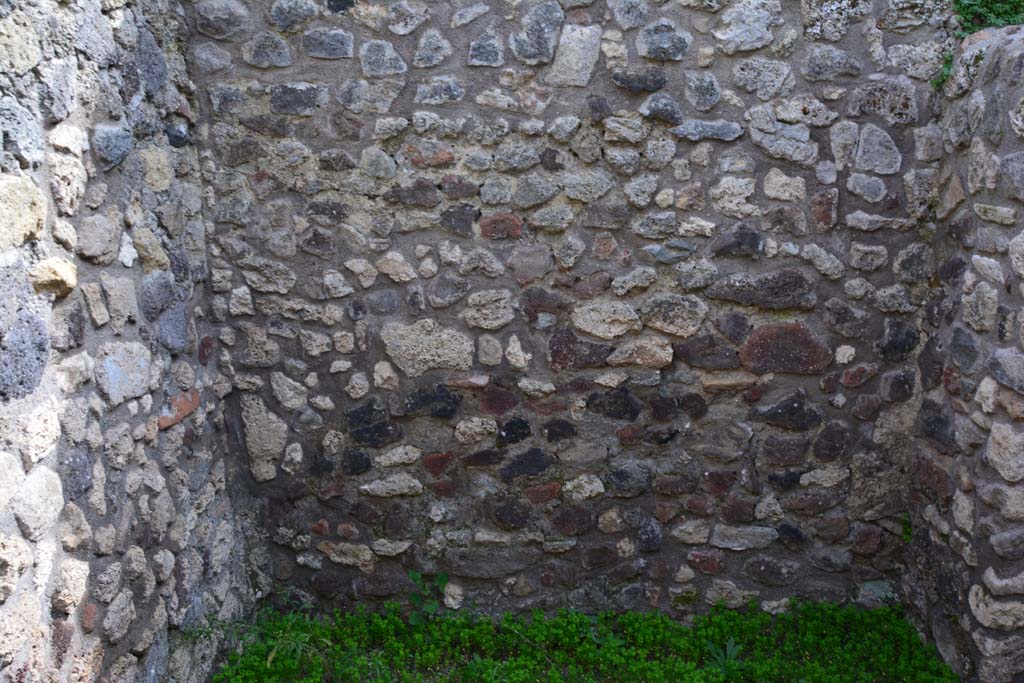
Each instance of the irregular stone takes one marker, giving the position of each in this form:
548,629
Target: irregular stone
777,290
22,211
678,315
266,50
221,19
784,347
379,58
122,371
876,151
426,345
742,537
894,98
606,319
697,130
535,43
747,25
578,50
792,411
827,63
486,50
663,41
325,43
266,436
433,49
400,484
489,309
766,78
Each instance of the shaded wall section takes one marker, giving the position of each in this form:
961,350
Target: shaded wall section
116,526
964,572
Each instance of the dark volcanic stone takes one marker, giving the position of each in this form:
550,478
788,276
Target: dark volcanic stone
663,408
501,226
566,351
628,480
485,458
528,464
370,425
734,326
845,319
708,352
780,289
355,462
791,536
618,404
793,411
964,350
550,160
421,193
447,289
459,219
744,240
710,561
833,442
694,405
436,401
599,108
934,422
318,243
24,349
327,214
511,515
662,107
497,401
770,571
558,429
784,452
1007,368
457,187
573,520
638,82
648,536
898,341
785,347
298,99
515,430
898,386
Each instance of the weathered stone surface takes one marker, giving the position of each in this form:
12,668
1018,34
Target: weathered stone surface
679,315
578,50
786,288
785,347
606,319
663,41
265,437
35,505
22,211
535,43
425,346
122,370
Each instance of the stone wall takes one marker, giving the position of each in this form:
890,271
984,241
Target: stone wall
116,528
592,303
964,572
609,304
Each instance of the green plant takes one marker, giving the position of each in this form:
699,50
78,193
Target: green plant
810,643
907,523
978,14
428,598
726,659
945,72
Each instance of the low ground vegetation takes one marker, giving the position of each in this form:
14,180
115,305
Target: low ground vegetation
978,14
811,643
